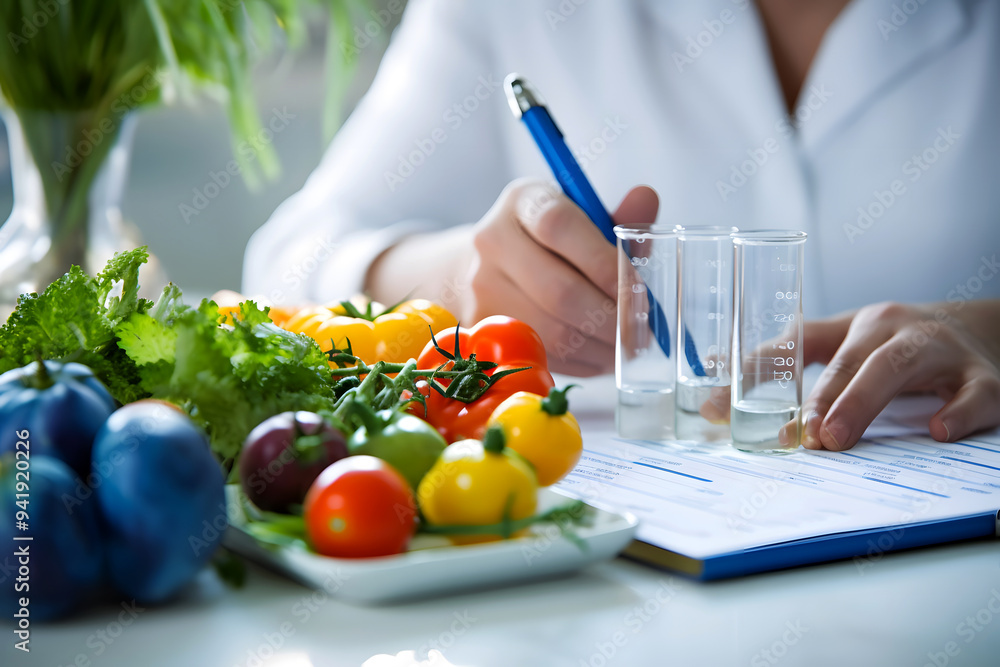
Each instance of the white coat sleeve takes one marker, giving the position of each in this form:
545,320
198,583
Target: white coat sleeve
419,152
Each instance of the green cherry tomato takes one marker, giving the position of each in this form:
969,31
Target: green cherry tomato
407,443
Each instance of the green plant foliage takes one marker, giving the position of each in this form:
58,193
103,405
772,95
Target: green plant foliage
108,57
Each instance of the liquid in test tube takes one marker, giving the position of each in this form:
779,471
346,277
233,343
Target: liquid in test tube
704,318
767,341
644,367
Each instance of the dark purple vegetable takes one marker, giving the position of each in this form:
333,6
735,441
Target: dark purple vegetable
284,454
61,565
62,406
162,499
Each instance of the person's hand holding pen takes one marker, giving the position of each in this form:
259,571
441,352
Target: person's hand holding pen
535,256
545,257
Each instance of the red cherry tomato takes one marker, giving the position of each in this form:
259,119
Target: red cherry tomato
360,507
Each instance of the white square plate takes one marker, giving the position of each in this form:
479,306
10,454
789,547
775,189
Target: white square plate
434,566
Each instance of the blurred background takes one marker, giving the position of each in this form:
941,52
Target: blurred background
177,147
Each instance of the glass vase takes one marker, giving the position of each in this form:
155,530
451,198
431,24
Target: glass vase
68,171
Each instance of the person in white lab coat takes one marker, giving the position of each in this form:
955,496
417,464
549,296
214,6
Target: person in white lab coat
870,124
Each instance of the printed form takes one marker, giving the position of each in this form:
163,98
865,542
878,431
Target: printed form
703,500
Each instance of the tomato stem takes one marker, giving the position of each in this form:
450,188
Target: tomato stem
556,403
305,448
369,419
494,439
575,512
470,380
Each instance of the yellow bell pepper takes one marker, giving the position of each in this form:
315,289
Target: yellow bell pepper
376,334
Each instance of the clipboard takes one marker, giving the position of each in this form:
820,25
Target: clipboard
866,547
887,494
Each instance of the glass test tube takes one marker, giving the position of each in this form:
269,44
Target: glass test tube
704,306
767,340
647,311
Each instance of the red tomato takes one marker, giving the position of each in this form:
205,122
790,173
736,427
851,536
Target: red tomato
497,338
503,340
360,507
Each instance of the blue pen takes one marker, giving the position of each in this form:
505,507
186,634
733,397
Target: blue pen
527,106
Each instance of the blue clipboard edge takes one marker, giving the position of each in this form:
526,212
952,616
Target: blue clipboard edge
868,544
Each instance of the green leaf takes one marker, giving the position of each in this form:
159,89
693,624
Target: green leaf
66,318
146,340
572,513
230,567
74,320
122,268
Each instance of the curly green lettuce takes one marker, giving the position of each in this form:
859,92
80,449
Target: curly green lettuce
228,378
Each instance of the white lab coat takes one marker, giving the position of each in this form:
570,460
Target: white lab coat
891,166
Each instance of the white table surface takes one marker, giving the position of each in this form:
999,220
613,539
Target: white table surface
906,608
893,613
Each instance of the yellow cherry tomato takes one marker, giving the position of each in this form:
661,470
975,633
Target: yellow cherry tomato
541,430
475,483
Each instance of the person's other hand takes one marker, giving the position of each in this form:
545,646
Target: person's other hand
537,257
887,349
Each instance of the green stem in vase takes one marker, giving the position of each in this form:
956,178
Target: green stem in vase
69,150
